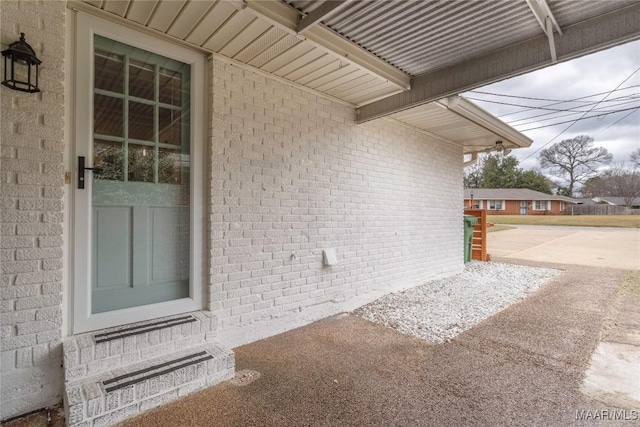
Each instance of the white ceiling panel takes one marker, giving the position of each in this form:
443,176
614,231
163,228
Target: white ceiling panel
300,62
119,7
287,57
331,77
341,84
365,82
229,30
462,122
319,72
252,32
262,43
140,11
372,94
165,13
307,69
213,20
274,50
189,18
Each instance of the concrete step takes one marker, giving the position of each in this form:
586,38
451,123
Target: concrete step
99,351
113,396
116,373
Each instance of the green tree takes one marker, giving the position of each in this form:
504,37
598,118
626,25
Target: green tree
498,171
473,174
534,180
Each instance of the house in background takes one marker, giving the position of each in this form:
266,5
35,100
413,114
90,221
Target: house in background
611,201
516,201
170,192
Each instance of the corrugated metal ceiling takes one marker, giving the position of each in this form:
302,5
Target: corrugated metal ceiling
419,36
416,36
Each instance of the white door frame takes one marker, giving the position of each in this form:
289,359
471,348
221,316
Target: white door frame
86,27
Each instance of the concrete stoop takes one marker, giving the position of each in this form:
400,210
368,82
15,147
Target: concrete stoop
119,372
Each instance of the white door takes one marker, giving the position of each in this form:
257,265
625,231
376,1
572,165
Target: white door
137,219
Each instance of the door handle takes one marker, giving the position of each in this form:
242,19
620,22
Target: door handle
81,169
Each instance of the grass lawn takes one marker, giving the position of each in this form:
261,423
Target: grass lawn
627,221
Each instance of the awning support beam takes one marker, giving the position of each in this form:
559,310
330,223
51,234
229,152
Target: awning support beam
324,11
547,21
593,35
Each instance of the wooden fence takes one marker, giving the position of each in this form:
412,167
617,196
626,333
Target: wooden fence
479,241
600,209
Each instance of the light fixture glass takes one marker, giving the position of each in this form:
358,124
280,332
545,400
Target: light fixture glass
21,66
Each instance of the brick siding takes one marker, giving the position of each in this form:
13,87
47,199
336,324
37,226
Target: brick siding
512,207
31,164
293,174
290,175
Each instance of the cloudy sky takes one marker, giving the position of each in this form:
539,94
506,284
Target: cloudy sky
599,74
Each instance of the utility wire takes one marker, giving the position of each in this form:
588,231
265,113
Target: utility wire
618,101
575,121
570,100
562,110
554,102
557,116
614,123
580,118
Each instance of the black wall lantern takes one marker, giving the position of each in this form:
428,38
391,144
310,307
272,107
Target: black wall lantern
21,67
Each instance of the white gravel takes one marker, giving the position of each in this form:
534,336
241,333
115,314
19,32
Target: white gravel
441,309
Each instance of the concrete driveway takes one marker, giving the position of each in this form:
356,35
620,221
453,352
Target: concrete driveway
593,246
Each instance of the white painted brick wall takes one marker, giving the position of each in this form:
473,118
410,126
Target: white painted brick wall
31,165
292,174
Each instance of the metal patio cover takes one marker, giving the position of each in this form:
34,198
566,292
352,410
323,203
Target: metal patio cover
386,56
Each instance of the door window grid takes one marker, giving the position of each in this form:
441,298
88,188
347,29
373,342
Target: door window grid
173,152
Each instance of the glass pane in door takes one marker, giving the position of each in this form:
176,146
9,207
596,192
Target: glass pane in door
141,197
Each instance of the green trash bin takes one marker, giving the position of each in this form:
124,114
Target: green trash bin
469,222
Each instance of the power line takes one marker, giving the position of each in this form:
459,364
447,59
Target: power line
575,121
561,110
581,118
615,123
557,116
616,100
554,101
571,100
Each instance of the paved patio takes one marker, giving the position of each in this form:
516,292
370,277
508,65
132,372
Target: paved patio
523,366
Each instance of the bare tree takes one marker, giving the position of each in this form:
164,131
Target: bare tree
635,157
575,160
622,182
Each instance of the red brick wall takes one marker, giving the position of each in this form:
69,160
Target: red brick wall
512,207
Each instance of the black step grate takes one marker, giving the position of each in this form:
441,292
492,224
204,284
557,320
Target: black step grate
141,329
155,371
